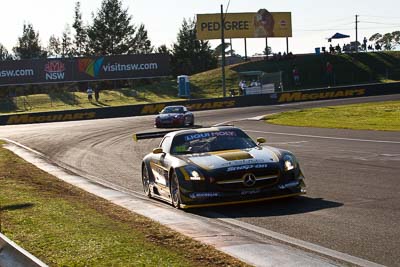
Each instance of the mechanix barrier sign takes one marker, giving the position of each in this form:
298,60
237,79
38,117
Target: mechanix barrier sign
204,104
245,25
83,69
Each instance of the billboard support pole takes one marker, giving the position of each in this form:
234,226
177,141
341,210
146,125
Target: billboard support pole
245,49
231,47
287,45
223,51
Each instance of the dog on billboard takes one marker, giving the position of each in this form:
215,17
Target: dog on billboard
263,24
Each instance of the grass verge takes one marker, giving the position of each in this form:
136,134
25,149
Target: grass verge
65,226
383,116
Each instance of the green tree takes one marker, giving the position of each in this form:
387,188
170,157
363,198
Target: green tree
111,32
54,46
388,41
375,37
163,49
66,43
189,55
80,37
396,37
267,52
218,50
4,55
29,44
141,44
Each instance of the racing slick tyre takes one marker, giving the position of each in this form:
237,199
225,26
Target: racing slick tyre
192,122
146,181
175,192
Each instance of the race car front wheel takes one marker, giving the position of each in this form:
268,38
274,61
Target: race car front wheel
146,181
186,121
174,191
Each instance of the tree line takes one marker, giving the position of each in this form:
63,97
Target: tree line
388,41
112,32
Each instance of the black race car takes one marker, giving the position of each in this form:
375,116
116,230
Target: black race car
217,165
174,116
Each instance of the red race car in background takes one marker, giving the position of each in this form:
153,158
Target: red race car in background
174,116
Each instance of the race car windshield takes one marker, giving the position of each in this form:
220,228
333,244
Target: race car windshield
211,141
172,110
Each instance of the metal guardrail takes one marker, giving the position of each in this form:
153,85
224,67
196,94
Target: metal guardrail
12,255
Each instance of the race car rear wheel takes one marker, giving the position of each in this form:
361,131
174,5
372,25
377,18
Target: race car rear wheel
146,181
175,192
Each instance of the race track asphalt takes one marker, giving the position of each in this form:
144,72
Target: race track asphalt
353,201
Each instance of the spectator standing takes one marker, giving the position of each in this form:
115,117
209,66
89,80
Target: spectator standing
96,93
89,92
338,49
364,45
331,49
329,73
242,85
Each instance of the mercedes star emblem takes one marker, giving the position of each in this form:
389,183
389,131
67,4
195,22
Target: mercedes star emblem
249,179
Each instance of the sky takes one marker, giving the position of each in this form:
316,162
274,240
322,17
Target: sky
312,21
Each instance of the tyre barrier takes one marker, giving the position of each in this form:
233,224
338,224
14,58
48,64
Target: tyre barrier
12,255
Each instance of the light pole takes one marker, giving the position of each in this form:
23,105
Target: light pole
357,33
223,50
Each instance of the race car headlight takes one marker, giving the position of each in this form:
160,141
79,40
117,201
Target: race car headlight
195,176
289,162
193,173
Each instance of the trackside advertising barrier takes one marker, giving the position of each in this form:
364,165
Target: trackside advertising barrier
205,104
59,70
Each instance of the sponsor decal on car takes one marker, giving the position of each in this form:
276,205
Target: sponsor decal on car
204,194
196,136
250,192
288,185
20,119
299,96
246,167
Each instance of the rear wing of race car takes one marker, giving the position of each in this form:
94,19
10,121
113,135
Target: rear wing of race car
158,134
150,135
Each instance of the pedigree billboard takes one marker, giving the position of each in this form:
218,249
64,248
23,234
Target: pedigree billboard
40,71
245,25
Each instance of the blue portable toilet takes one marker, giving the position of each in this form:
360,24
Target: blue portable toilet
183,86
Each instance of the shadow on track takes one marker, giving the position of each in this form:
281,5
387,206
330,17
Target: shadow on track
270,208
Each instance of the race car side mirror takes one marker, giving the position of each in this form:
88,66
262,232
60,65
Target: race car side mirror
157,150
261,140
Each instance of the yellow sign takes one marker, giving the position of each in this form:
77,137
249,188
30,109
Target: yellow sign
245,25
299,96
26,118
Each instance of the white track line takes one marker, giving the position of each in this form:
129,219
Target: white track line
326,137
297,242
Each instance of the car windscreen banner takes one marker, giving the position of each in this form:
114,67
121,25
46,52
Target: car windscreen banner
58,70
